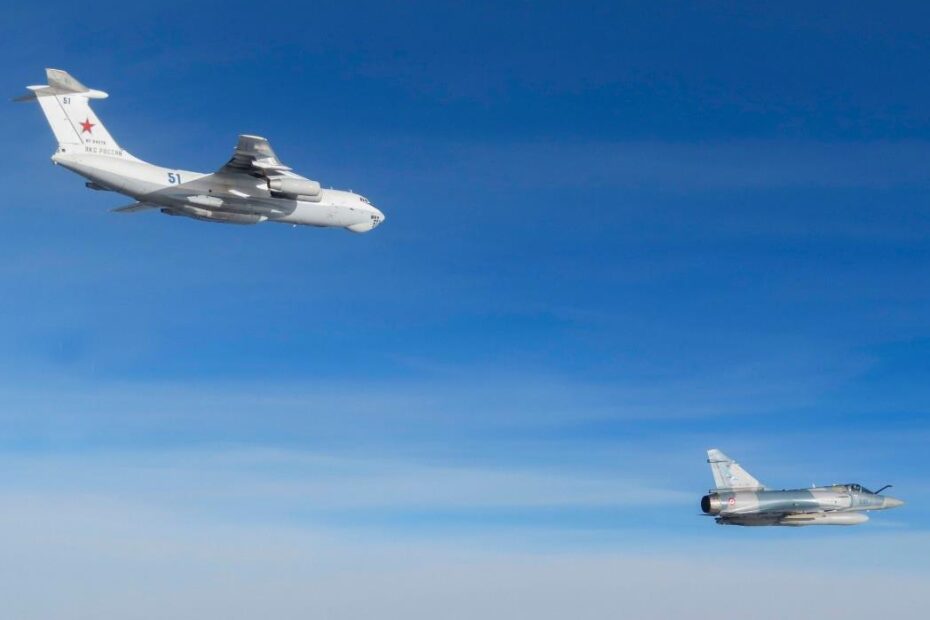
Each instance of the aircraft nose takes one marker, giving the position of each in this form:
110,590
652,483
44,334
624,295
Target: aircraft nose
891,502
378,214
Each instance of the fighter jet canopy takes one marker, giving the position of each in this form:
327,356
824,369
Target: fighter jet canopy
855,488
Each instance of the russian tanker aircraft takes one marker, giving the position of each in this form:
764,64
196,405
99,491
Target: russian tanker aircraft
740,499
253,187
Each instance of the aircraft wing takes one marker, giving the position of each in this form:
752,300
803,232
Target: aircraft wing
135,207
779,511
253,155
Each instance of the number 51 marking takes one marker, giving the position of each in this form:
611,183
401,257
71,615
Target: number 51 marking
174,178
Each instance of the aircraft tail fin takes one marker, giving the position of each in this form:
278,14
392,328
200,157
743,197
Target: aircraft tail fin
728,474
66,104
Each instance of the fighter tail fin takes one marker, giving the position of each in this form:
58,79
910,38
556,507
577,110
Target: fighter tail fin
66,104
728,474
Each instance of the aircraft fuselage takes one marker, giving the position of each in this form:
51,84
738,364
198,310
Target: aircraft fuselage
231,198
841,504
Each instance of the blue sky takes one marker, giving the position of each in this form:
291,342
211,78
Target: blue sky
616,235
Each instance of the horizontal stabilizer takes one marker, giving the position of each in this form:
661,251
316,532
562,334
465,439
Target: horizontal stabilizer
60,83
63,80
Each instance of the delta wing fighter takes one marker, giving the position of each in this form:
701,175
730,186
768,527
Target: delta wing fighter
740,499
253,187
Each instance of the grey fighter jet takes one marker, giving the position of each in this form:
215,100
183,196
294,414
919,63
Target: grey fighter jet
740,499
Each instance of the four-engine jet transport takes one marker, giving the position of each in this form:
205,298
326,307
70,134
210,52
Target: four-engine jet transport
253,187
740,499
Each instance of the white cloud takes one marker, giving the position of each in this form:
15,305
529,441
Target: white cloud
280,481
88,557
463,399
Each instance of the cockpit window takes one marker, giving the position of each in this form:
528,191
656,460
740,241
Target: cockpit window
365,200
858,488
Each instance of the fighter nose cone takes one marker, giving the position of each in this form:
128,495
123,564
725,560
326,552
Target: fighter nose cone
892,502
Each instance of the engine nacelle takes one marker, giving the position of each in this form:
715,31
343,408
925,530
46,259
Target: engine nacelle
294,187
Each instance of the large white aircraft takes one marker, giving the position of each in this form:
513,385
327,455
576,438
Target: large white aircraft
253,187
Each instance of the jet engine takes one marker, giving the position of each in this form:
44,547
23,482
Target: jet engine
290,186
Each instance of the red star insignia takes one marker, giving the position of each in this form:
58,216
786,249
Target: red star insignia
86,125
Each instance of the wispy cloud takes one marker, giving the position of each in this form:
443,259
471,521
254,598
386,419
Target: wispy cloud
112,558
466,400
281,481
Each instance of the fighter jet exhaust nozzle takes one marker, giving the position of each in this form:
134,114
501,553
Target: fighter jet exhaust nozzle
711,504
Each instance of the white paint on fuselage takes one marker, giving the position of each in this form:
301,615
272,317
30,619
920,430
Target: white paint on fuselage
149,183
